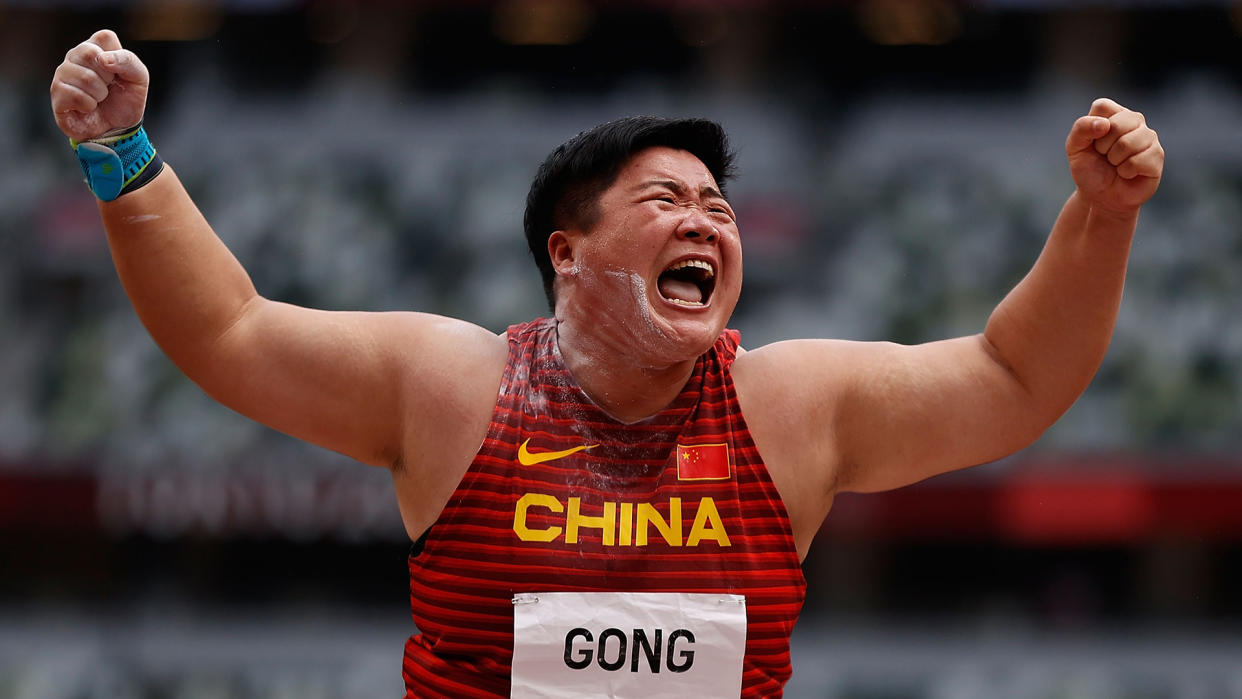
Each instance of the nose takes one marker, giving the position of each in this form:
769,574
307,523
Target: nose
697,226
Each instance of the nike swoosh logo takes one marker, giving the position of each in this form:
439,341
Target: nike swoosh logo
526,458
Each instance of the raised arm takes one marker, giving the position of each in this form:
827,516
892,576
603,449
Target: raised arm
1053,329
879,415
357,383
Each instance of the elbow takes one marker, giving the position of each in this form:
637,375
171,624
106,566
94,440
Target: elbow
208,351
1042,396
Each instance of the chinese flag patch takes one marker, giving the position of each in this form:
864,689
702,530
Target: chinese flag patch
703,462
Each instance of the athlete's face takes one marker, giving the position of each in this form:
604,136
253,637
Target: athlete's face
662,262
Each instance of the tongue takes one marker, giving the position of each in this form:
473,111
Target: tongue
680,290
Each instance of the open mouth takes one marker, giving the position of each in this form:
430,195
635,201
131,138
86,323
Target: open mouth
688,282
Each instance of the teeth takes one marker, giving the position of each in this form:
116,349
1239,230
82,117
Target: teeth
681,302
699,264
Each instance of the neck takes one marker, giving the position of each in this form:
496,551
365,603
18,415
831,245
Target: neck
615,376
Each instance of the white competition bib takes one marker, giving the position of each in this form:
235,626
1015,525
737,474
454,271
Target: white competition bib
627,645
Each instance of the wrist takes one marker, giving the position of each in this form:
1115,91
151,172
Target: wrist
118,162
1124,215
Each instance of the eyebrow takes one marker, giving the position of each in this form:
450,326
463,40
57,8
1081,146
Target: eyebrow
679,190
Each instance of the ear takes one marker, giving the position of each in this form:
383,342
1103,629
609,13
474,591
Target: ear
561,250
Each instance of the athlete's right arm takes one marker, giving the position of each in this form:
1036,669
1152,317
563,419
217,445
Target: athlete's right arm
364,384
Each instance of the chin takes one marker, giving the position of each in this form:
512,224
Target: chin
688,332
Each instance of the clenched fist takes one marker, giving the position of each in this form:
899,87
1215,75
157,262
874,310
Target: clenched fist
100,87
1115,158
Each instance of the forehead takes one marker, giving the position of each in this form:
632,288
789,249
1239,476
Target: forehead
664,163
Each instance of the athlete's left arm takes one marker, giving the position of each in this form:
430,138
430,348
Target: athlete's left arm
887,415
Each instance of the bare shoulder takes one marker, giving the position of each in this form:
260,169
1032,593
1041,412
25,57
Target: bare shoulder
810,385
450,340
447,366
791,391
450,379
446,374
789,394
807,367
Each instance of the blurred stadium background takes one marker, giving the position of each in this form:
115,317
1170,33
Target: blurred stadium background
901,164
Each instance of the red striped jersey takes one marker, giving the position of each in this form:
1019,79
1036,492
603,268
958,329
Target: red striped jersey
562,497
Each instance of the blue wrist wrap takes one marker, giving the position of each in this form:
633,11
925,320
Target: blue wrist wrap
118,164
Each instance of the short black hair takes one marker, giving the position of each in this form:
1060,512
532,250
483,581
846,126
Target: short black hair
568,183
